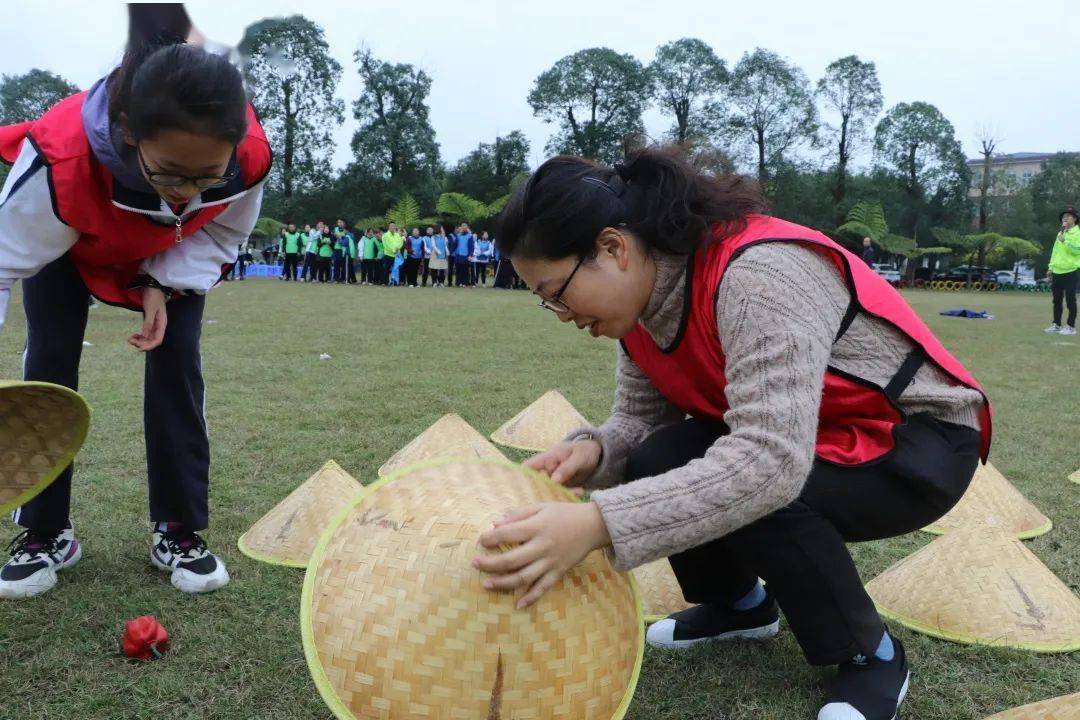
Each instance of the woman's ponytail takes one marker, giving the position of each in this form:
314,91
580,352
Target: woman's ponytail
655,193
162,82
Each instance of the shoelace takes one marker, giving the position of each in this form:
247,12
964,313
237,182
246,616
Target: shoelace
186,545
20,544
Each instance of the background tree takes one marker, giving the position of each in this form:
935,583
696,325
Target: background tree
916,144
687,78
293,79
395,140
596,96
771,108
987,144
486,172
977,246
28,96
850,90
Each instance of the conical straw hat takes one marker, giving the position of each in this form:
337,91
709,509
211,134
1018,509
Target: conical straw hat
541,425
42,426
449,437
289,532
660,591
1066,707
396,623
978,585
993,500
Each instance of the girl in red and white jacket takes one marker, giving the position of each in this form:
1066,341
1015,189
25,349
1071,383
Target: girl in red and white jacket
138,192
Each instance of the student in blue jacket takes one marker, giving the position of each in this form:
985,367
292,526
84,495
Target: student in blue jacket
463,253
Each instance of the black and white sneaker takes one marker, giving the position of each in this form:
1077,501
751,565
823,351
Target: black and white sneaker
35,558
868,688
705,623
194,568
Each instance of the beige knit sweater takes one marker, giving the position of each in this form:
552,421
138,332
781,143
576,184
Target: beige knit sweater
778,309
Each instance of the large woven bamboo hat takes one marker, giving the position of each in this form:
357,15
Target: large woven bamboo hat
450,436
396,623
660,591
978,585
1066,707
541,425
289,532
992,500
42,427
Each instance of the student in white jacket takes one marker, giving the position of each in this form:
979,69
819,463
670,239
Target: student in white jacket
138,192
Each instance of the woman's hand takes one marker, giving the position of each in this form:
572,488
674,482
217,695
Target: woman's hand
551,538
154,320
569,463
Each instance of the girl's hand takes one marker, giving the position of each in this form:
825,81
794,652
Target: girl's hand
154,320
550,538
569,463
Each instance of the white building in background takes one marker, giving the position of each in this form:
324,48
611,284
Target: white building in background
1009,172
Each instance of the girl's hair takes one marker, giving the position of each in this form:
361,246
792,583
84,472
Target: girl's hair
655,194
163,83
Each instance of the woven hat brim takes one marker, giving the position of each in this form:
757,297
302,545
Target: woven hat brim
1021,535
395,464
244,544
934,631
504,437
307,629
1035,522
80,423
1064,707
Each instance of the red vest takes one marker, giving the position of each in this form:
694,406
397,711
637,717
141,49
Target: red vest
855,418
113,241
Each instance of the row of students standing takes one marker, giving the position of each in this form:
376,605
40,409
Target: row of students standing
325,254
443,257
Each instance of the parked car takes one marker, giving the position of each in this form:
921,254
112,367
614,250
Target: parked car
889,272
1009,278
961,273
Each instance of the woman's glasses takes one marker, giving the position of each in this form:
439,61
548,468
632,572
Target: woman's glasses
554,304
165,179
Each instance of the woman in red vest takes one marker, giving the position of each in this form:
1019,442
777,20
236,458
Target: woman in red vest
137,192
774,399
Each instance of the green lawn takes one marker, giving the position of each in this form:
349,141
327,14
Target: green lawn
400,359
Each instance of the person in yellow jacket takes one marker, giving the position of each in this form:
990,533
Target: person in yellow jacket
1064,271
392,241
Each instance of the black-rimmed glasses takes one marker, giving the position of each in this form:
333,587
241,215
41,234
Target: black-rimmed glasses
554,304
165,179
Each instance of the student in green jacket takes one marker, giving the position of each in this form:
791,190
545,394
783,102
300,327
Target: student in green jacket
291,243
326,254
1064,271
367,257
377,264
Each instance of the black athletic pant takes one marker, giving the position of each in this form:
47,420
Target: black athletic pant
350,270
450,263
480,273
463,273
799,550
324,269
385,266
412,265
426,272
1064,288
310,262
289,271
177,447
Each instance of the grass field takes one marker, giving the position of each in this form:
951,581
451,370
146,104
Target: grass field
400,359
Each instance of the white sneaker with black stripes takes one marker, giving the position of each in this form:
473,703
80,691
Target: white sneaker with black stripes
194,568
35,559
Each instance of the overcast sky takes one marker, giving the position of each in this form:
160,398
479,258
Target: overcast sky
1011,66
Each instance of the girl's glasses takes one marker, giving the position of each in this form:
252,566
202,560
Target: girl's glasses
165,179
